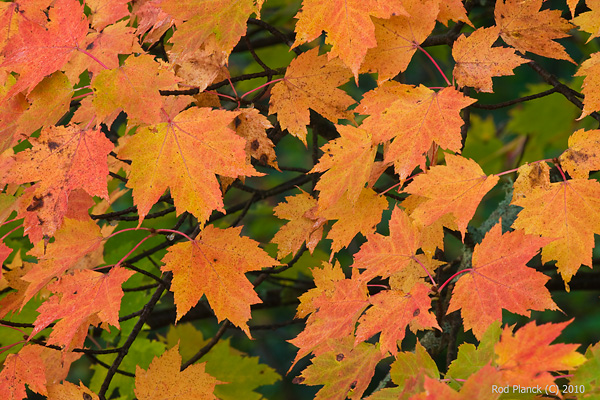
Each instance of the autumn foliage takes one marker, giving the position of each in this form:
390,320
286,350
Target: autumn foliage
179,177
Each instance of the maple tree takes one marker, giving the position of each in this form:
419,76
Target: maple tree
219,199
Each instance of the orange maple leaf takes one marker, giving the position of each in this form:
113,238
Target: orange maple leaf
106,12
68,390
48,103
337,311
24,367
589,21
452,10
385,255
83,298
348,24
353,219
73,242
531,176
499,279
38,50
324,279
590,68
310,82
398,38
392,311
526,28
414,117
61,160
477,61
105,46
456,188
348,162
252,126
303,226
345,370
184,154
164,379
569,212
225,20
133,88
582,156
526,357
214,265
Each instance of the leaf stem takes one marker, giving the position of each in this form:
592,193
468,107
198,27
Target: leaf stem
261,86
11,231
453,276
90,55
436,64
425,269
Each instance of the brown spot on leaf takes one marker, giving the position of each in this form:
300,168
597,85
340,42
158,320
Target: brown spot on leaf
339,357
254,145
53,145
237,122
416,313
353,385
90,46
87,396
37,203
297,380
263,159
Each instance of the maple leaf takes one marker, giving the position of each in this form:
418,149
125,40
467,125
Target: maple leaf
531,176
590,68
303,227
68,390
48,103
348,162
79,299
337,311
37,50
477,61
10,112
324,279
133,88
104,46
589,21
582,155
163,379
214,265
252,126
201,66
456,188
385,255
348,25
345,370
398,39
223,19
352,219
392,312
526,357
184,154
310,82
106,12
414,117
72,243
567,211
499,279
452,10
470,359
431,236
152,20
62,159
526,28
24,367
